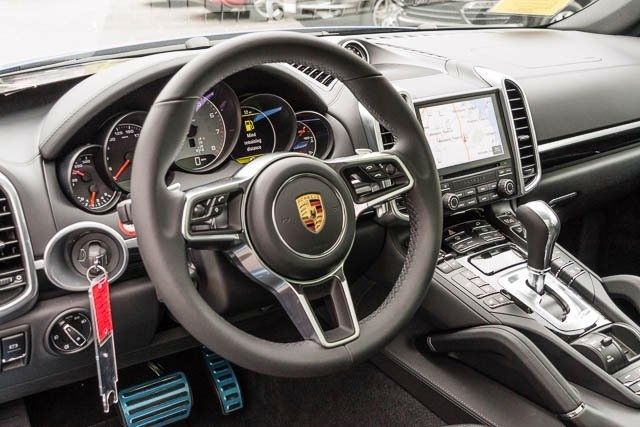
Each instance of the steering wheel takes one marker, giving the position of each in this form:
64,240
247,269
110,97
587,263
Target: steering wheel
289,219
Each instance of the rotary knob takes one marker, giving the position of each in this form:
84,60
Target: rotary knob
450,201
506,187
70,332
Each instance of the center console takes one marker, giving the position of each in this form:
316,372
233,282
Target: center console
500,266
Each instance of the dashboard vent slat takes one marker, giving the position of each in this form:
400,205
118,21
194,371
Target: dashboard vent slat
317,75
524,135
11,260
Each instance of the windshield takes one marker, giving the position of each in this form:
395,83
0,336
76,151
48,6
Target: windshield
34,30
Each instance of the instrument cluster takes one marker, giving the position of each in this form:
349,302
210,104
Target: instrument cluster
224,128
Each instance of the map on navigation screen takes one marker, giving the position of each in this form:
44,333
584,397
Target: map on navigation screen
462,132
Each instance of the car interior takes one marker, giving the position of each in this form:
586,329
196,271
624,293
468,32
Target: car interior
371,226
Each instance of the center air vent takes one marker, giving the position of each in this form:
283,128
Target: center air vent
387,139
524,134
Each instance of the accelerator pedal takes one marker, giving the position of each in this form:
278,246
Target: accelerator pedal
224,381
159,402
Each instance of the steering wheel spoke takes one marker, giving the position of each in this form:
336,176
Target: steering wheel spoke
335,325
211,213
373,178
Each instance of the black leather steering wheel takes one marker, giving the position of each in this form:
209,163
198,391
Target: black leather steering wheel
291,218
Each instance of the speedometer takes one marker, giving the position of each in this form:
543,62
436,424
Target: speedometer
213,130
119,146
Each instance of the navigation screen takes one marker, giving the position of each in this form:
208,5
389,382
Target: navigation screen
462,131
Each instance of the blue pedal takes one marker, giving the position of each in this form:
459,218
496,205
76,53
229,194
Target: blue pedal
159,402
224,381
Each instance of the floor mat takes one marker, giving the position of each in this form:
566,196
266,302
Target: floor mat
362,396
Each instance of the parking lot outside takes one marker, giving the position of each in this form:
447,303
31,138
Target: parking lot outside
32,29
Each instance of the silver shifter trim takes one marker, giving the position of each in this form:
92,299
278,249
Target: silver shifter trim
580,315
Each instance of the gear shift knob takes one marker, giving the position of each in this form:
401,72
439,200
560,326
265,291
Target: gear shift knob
542,227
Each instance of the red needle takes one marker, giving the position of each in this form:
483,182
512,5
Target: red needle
77,172
124,166
92,199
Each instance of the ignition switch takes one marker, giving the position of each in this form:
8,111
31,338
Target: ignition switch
92,249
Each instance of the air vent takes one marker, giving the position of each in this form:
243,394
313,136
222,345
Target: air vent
317,75
524,133
12,268
387,139
357,49
18,289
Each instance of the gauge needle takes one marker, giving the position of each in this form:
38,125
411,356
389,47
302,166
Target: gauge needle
124,167
92,198
77,172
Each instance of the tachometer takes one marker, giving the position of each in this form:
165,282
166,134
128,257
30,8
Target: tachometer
84,181
119,146
213,131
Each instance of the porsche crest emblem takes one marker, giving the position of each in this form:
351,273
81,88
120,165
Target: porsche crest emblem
311,211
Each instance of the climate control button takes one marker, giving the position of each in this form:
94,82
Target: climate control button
506,187
451,201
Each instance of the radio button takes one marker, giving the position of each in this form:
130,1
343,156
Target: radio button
487,187
467,203
484,198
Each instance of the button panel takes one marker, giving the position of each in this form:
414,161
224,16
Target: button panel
210,214
475,286
14,347
465,237
479,188
370,180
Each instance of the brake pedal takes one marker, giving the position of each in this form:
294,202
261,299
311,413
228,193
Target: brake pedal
158,402
224,382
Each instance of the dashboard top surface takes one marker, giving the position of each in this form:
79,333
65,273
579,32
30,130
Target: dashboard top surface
575,83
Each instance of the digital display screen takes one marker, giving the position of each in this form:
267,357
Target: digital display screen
463,131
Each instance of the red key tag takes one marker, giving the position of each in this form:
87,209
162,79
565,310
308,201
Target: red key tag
104,341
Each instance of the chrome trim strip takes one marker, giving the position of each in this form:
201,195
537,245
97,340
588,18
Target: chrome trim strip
565,142
563,198
31,289
574,413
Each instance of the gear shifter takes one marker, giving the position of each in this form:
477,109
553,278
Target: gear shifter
542,227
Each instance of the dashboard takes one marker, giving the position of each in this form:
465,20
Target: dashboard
506,119
224,128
